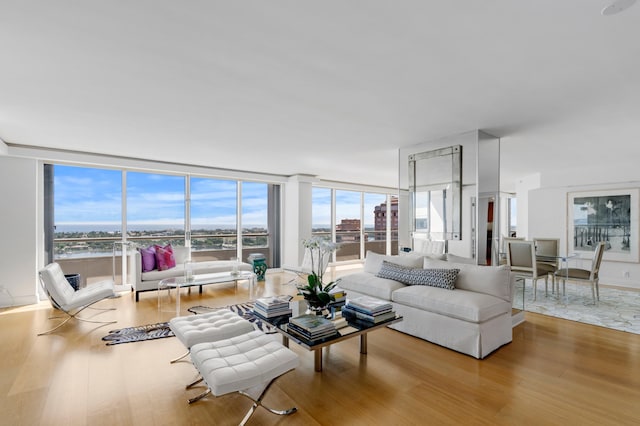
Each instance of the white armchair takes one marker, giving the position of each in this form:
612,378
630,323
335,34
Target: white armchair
63,297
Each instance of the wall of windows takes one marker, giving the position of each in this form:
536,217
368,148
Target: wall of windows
362,221
90,204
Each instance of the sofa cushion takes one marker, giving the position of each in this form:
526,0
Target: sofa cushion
373,261
461,304
164,257
444,278
495,281
181,254
148,256
207,267
369,284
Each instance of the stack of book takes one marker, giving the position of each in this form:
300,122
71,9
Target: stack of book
368,309
271,307
311,327
339,299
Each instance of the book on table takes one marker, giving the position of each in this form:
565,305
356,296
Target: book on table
310,336
274,306
353,314
369,305
312,323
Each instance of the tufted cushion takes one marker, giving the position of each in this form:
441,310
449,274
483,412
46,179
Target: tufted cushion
443,278
242,362
218,325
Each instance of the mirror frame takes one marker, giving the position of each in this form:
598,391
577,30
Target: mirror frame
452,180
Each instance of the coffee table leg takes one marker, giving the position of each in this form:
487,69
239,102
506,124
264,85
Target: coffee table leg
285,341
363,343
317,359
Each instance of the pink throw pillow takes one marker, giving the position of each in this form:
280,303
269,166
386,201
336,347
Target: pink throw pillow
148,256
164,257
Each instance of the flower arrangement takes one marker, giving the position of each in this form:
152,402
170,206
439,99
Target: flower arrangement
315,291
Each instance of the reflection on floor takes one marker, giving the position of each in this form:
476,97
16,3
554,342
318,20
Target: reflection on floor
617,309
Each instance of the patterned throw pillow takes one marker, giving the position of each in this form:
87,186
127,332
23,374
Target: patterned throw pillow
393,271
442,278
164,258
148,256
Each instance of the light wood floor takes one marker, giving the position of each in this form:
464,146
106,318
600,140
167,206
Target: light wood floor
554,372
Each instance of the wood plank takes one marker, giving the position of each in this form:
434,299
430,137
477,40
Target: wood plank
554,371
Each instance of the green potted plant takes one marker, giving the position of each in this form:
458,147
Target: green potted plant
315,291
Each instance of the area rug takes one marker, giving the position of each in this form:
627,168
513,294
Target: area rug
245,310
138,334
617,309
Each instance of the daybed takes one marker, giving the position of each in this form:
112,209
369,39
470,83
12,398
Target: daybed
474,318
146,281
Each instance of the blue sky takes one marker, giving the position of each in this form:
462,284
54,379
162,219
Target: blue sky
93,196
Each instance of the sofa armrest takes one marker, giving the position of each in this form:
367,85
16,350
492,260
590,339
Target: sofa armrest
135,263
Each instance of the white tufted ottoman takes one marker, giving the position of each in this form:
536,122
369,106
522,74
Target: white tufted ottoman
218,325
247,364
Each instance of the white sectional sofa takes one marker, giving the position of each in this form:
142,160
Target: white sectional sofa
474,318
146,281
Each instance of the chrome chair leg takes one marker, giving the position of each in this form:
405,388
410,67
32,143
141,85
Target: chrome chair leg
179,358
199,397
258,403
195,382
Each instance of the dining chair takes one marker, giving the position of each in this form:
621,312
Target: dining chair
521,259
503,248
590,276
71,302
548,253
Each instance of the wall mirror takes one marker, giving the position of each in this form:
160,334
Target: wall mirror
435,193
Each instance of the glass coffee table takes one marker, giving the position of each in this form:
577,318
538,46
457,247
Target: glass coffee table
202,279
353,329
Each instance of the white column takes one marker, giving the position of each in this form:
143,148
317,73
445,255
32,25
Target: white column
296,218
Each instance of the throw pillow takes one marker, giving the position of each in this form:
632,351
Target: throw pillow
148,256
393,271
442,278
164,258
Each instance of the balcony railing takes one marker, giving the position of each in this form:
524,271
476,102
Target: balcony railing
100,258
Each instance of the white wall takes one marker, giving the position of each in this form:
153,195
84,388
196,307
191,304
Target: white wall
19,252
548,216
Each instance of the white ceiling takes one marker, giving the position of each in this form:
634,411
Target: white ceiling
330,88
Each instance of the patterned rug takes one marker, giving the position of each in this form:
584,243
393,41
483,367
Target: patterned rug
138,334
617,309
245,310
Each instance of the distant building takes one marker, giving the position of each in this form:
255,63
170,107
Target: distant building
348,230
381,212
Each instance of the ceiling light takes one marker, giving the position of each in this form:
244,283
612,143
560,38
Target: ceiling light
617,7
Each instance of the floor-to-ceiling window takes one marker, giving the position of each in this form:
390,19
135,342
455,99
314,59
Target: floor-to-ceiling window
158,208
87,211
255,219
321,213
362,221
155,209
348,224
375,222
214,216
